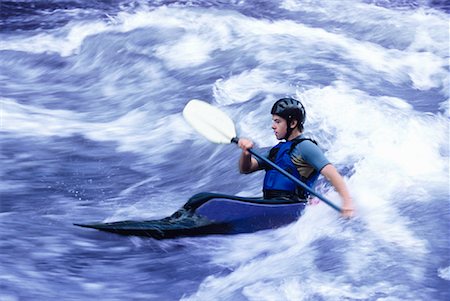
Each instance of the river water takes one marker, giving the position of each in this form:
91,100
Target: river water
91,130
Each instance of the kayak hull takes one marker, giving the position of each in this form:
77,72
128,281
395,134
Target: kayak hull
209,213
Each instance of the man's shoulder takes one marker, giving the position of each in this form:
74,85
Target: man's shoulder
304,142
309,152
305,146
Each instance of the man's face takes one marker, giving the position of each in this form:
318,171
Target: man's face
279,127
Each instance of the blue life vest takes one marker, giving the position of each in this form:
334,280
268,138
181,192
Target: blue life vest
278,185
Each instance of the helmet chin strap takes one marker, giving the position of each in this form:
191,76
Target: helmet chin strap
289,129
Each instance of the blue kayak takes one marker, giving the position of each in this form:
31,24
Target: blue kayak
211,213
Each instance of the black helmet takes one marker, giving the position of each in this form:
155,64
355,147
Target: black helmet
289,109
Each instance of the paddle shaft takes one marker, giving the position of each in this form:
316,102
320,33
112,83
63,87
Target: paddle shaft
291,177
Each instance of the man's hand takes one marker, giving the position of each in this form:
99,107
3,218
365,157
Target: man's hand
247,163
245,144
347,212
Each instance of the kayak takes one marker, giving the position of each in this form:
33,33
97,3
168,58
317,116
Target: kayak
212,213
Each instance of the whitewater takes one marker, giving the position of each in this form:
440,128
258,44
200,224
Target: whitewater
92,131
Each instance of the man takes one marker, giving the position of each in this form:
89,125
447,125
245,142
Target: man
298,155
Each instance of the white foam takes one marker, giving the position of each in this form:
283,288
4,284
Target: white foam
68,39
444,273
393,150
422,60
205,31
387,141
402,146
134,131
378,129
189,51
419,30
246,85
264,262
65,41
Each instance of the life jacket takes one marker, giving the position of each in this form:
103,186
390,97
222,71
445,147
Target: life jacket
277,185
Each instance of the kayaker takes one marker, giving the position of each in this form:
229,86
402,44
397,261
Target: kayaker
297,154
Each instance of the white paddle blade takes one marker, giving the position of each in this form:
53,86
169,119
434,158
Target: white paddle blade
209,121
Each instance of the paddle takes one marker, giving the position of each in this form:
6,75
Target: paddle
217,127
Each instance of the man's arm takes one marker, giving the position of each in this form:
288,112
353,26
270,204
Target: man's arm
330,172
247,163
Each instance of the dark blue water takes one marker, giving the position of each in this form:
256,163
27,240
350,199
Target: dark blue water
91,130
